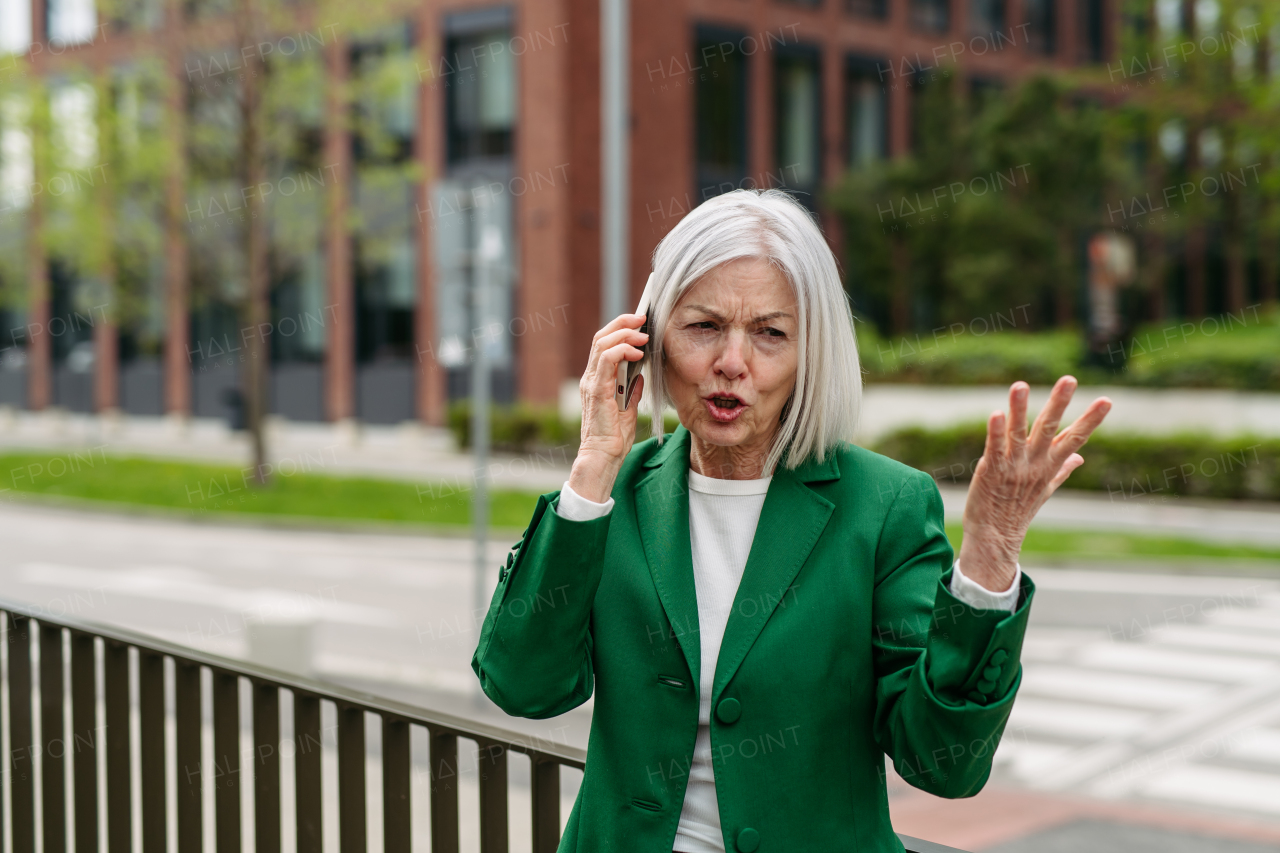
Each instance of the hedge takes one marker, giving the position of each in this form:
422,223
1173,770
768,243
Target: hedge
521,428
1125,466
1239,351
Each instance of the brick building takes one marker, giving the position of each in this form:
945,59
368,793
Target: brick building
502,118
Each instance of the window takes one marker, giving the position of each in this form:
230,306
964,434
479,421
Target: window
1041,32
797,120
867,8
139,14
1092,25
72,21
866,112
931,15
15,26
479,76
986,16
720,102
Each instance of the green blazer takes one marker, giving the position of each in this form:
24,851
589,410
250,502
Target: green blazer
844,644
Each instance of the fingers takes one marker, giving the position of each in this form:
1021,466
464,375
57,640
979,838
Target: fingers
1074,436
606,339
1046,424
1017,429
1074,461
994,449
629,321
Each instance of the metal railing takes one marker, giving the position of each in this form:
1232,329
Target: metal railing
103,662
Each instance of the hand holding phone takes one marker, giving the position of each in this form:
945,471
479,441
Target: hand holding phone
629,371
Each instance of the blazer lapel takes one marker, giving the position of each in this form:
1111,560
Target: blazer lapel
791,521
662,505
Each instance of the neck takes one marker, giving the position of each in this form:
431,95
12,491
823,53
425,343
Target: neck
739,462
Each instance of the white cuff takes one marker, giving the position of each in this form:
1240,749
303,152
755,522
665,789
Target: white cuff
574,507
975,595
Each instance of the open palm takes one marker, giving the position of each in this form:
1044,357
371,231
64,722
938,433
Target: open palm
1018,472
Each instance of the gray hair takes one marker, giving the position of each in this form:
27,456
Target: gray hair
773,226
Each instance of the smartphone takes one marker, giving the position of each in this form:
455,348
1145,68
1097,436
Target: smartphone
629,371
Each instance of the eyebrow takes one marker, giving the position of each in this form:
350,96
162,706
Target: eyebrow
716,315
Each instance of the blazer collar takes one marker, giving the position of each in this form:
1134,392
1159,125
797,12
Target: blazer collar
791,521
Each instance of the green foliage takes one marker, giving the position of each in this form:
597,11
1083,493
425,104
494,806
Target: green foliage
528,429
984,217
1126,467
1239,351
966,358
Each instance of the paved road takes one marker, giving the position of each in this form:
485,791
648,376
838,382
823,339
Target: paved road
1139,687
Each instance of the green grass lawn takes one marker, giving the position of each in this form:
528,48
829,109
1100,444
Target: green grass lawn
198,489
201,490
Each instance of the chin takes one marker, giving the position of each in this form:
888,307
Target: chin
721,435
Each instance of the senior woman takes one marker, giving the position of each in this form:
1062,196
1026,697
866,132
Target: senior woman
762,609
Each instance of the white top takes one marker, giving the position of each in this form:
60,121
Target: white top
723,515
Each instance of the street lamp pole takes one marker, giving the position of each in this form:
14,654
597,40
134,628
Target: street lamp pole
486,250
615,110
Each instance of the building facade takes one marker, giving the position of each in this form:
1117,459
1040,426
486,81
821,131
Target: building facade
468,147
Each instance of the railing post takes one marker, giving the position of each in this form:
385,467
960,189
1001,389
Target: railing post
494,834
53,750
186,694
544,774
444,792
307,753
396,825
84,739
226,762
22,743
266,771
115,671
351,781
151,712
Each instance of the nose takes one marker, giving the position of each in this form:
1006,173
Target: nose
732,359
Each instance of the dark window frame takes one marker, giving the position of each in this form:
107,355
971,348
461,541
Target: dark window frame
457,27
919,12
858,66
872,10
805,53
1042,29
705,33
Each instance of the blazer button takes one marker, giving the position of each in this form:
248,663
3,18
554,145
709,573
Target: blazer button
748,839
980,698
728,711
999,656
986,686
991,673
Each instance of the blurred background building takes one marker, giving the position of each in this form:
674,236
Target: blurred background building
387,134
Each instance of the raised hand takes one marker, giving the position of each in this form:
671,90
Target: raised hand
1016,475
607,434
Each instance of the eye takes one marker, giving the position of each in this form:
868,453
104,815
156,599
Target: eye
773,333
704,324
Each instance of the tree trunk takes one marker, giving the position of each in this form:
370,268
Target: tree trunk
1195,304
1155,267
900,298
1233,239
257,318
1064,308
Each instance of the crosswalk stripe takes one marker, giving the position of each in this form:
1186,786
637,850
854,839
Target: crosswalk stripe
1218,640
1075,719
1217,786
1116,688
1153,660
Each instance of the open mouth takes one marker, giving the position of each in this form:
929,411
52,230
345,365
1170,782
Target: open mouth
725,407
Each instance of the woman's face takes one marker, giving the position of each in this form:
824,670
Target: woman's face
731,347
